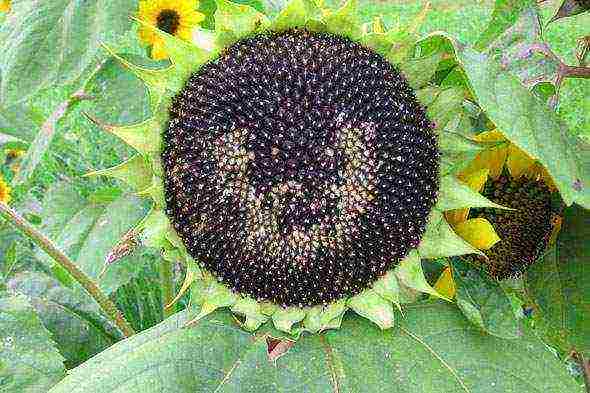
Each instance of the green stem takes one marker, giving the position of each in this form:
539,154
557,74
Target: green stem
107,306
167,286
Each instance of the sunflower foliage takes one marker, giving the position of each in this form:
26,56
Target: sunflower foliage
290,195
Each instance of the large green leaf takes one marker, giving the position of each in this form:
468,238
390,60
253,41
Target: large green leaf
117,218
61,202
433,349
56,41
528,123
78,328
119,96
29,362
559,285
484,302
505,15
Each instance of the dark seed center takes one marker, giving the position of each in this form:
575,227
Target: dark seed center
299,167
168,21
524,232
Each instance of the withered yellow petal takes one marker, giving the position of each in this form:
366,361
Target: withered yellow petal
445,285
518,162
478,232
456,216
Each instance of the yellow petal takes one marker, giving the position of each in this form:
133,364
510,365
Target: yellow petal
518,162
159,51
476,179
492,159
478,232
4,5
445,285
456,216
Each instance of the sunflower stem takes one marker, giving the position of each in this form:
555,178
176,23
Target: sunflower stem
106,305
167,287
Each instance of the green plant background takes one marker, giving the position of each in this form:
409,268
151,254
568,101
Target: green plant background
54,192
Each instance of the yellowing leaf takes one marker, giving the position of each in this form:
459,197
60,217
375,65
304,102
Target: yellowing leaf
478,232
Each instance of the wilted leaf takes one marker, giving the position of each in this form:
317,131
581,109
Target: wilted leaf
425,353
56,41
559,284
29,362
78,328
522,51
484,302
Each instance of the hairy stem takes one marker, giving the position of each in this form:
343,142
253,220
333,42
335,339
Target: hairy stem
107,306
576,72
167,287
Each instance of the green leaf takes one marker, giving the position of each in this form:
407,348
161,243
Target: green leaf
239,19
61,202
426,353
522,51
117,218
440,240
134,171
373,307
41,143
119,96
29,361
421,70
345,21
559,285
446,106
453,194
484,302
296,14
527,123
19,121
457,151
410,273
78,327
56,42
505,14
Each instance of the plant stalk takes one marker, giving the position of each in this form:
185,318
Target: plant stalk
167,287
106,305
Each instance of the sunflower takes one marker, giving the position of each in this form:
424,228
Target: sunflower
293,170
4,5
4,191
175,17
508,176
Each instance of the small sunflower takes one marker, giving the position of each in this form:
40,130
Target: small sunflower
175,17
4,191
4,5
508,176
292,168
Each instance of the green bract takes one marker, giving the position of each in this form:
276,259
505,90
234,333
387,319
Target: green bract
144,171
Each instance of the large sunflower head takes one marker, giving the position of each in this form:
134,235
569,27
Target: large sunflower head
293,170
